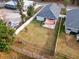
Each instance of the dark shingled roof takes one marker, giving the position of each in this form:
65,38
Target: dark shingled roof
72,19
51,11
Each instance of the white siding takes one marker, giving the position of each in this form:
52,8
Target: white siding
40,18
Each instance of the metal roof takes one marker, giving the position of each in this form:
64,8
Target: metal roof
72,19
51,11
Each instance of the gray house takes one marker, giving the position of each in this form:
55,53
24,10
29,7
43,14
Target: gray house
49,15
72,22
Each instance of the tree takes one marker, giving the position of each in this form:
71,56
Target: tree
6,36
77,2
66,2
19,6
30,11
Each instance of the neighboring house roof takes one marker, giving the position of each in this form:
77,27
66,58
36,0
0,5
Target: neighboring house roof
72,19
51,11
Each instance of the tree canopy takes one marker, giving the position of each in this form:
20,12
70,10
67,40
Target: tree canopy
66,2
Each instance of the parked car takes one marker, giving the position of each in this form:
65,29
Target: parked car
12,4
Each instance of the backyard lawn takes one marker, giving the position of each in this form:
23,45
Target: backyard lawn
34,33
35,37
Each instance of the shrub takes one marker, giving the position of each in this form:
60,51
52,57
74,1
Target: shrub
6,36
30,11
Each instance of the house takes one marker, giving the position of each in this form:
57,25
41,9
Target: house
49,15
12,4
72,22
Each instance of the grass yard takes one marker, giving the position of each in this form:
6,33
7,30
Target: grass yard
35,37
34,33
13,55
67,47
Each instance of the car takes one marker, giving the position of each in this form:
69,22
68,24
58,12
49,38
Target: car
12,4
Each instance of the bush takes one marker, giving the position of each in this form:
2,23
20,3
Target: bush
6,36
63,11
30,11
